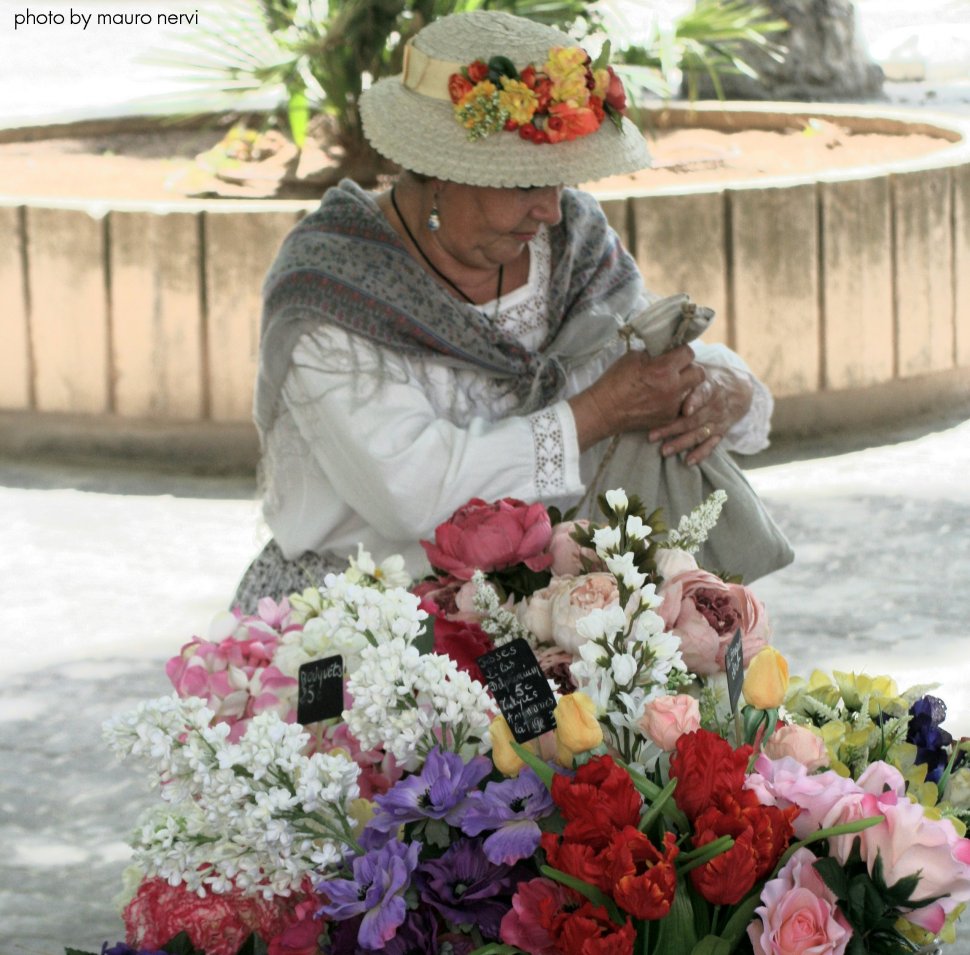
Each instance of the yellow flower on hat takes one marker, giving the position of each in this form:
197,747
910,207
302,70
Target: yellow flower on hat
480,111
518,100
602,80
566,69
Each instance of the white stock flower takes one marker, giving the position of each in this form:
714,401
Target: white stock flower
601,622
624,668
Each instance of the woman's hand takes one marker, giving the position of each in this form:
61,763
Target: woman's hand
636,393
710,410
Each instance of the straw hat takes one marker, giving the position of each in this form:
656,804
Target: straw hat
411,119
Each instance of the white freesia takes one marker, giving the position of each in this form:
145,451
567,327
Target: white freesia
617,499
636,529
600,623
606,540
624,668
624,568
389,573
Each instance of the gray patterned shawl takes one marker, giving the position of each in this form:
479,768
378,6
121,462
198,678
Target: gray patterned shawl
345,264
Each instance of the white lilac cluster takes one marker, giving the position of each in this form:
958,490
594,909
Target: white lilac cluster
694,528
500,623
626,659
346,615
409,702
256,815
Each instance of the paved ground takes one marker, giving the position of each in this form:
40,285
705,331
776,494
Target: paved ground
107,572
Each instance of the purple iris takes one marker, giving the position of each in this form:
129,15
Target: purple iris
437,792
931,740
121,948
465,888
509,809
377,889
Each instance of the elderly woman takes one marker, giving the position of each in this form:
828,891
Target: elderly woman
457,335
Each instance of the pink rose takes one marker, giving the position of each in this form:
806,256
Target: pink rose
799,914
667,718
705,612
568,558
573,600
909,842
489,537
800,743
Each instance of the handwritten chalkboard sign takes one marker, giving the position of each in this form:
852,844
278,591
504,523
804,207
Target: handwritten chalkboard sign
734,665
320,695
520,688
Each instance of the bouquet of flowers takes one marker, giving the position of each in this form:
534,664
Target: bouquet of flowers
541,749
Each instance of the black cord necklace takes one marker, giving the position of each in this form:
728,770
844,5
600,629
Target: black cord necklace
434,268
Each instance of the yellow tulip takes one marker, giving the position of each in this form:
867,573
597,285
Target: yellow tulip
766,682
507,760
577,729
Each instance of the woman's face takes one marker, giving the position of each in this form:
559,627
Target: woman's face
485,228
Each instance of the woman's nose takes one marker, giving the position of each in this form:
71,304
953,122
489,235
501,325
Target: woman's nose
546,207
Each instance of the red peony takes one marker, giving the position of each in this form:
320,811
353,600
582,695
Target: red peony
478,71
458,86
217,923
615,93
704,764
463,641
489,537
645,879
589,931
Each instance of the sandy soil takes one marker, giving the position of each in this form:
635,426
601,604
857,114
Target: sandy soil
157,166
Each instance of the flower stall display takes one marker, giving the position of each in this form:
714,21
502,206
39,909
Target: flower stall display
569,740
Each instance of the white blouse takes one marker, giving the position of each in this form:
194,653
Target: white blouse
379,448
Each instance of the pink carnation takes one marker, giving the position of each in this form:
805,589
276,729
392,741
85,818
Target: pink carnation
490,537
705,612
798,914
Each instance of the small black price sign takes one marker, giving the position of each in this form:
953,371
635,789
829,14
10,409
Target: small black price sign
734,666
520,688
321,692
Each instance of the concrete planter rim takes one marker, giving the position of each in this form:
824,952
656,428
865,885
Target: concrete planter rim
709,114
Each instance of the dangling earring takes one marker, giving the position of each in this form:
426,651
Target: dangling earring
434,219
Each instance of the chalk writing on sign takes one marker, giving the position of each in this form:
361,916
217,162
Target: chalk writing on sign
520,688
320,695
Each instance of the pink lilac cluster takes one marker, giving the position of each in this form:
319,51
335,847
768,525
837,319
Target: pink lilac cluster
233,670
908,842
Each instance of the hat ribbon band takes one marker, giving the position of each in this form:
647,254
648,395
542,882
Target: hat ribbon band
426,75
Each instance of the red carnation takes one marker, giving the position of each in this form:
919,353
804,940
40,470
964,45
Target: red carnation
528,76
645,879
458,86
705,764
478,71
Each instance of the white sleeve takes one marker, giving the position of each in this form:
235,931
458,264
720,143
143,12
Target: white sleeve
750,434
393,458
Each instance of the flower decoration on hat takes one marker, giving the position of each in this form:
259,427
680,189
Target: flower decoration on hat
569,96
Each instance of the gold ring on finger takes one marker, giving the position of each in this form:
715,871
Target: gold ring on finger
706,431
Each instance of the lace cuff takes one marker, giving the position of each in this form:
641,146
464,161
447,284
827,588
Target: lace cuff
556,451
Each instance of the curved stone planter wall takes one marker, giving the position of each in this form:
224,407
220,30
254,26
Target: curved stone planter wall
132,326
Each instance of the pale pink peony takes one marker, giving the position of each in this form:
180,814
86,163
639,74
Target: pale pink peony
800,743
569,559
572,601
666,718
705,612
490,537
799,914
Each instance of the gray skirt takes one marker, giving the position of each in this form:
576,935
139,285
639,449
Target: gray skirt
273,575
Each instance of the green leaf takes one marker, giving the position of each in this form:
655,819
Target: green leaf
77,951
676,931
601,61
181,944
696,857
833,875
711,945
253,945
497,948
742,915
298,114
541,768
499,66
658,805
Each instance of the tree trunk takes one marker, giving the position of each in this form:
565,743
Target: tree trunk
826,59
